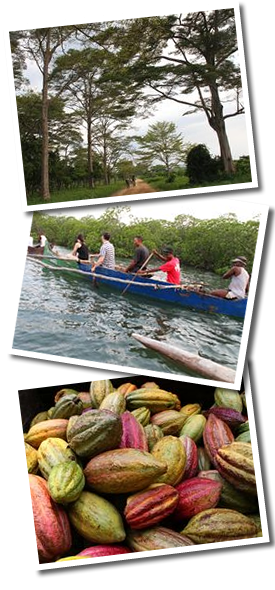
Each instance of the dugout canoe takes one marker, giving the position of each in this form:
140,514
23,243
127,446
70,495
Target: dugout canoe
153,289
35,250
193,362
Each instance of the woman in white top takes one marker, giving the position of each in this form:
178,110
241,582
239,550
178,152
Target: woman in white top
238,286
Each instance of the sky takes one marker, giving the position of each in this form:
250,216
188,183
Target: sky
194,128
201,207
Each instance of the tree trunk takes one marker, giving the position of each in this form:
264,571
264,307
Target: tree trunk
217,123
45,188
91,179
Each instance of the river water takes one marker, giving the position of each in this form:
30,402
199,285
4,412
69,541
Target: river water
67,316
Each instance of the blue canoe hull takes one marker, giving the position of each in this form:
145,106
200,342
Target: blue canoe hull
158,292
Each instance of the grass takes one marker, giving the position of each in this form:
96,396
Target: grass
77,194
182,182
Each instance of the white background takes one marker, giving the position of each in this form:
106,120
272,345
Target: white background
211,569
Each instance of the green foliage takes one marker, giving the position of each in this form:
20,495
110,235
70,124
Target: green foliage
162,144
209,244
242,166
200,166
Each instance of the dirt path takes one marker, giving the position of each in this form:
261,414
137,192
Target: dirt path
141,187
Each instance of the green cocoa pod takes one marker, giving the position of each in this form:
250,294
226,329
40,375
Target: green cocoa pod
66,482
194,427
228,398
142,415
96,519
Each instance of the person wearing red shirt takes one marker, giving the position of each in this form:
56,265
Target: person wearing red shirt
171,266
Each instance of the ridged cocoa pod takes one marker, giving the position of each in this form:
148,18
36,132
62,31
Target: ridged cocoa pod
40,417
156,400
142,415
126,388
31,457
195,495
94,432
99,390
170,421
96,519
133,435
115,402
194,427
219,524
204,462
63,392
191,451
231,497
123,470
170,451
66,482
67,406
243,428
156,538
190,410
150,385
228,398
104,551
52,527
231,417
216,434
153,435
51,452
235,464
46,429
150,506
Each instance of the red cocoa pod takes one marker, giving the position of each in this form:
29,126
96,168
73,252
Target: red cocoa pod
104,550
216,434
150,506
52,527
191,450
133,435
195,495
231,417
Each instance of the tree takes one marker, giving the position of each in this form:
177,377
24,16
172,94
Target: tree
41,45
191,56
200,166
80,76
161,143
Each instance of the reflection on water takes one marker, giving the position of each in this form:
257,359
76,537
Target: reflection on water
71,317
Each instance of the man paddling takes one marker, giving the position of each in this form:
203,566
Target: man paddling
239,284
141,255
171,266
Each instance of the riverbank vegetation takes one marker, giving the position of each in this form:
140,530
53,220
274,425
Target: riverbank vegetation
209,244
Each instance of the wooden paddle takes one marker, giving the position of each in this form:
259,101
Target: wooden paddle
143,265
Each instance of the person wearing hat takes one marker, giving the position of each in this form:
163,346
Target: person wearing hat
171,266
238,286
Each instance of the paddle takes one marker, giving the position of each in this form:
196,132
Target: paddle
143,265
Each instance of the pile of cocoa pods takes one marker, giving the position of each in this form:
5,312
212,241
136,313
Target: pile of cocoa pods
127,469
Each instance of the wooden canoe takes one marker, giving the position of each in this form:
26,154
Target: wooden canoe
193,362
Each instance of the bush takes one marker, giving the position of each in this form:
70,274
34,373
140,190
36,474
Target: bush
201,166
242,166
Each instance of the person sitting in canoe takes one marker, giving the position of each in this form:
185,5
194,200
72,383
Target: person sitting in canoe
106,255
239,284
171,266
80,249
140,257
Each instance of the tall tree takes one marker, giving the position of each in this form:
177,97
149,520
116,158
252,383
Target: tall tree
162,143
41,45
188,59
82,77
